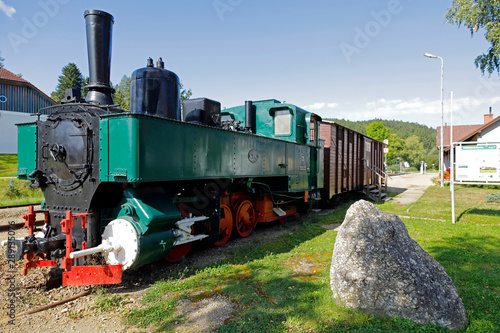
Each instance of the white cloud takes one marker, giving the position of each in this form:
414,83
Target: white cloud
320,106
8,10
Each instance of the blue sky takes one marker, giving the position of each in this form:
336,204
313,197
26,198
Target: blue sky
355,60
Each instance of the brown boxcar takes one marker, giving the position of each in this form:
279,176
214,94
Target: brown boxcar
350,160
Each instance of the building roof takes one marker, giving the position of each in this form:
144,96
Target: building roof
461,133
9,77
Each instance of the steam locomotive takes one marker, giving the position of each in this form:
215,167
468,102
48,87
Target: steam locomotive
142,186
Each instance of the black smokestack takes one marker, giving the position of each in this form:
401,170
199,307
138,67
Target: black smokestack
249,117
99,31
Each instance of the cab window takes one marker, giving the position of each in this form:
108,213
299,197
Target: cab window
282,123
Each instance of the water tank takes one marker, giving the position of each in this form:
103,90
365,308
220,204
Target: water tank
155,91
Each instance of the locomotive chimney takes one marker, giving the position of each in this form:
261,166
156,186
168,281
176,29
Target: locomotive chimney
99,30
249,117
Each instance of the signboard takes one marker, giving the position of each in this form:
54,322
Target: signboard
386,150
479,162
386,141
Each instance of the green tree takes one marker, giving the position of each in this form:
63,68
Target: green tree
415,151
185,93
476,14
431,158
71,78
396,148
122,93
378,131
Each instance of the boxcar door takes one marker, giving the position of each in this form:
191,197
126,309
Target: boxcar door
367,161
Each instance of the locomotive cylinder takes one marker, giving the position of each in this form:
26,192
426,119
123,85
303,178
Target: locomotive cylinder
155,91
99,32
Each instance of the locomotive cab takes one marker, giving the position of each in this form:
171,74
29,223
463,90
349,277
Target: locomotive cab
277,120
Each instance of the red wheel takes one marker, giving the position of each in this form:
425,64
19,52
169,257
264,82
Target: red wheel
178,252
226,225
245,218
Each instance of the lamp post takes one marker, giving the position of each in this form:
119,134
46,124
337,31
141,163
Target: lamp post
441,154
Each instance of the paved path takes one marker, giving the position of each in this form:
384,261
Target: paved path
410,187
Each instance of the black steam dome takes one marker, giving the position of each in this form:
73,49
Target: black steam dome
155,91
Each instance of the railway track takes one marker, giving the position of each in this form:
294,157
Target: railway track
18,225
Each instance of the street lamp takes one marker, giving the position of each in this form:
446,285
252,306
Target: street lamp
441,155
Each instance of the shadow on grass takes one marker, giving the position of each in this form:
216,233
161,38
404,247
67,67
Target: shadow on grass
486,212
478,211
462,214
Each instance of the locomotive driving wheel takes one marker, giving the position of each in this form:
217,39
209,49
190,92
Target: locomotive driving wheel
245,218
226,225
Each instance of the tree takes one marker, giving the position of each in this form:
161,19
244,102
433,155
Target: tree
185,93
71,78
476,14
415,151
378,131
122,93
396,148
1,60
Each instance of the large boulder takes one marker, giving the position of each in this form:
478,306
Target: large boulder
377,268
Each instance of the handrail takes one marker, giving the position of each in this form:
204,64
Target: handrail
384,174
378,174
381,175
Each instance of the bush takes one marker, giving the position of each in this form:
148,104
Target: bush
12,190
493,197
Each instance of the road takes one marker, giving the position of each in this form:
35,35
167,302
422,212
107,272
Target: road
409,186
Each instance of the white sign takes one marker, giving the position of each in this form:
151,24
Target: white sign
479,162
386,141
386,150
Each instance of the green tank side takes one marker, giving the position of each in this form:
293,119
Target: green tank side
140,148
26,149
144,148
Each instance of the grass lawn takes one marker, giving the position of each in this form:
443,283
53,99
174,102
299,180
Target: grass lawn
14,191
283,285
8,165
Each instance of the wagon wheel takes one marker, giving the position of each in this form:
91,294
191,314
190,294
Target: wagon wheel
178,252
245,218
226,225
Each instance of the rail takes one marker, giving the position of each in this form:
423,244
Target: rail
16,226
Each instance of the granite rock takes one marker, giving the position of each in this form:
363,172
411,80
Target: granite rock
377,268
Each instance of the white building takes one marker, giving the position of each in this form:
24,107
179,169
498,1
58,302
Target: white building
20,102
487,132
